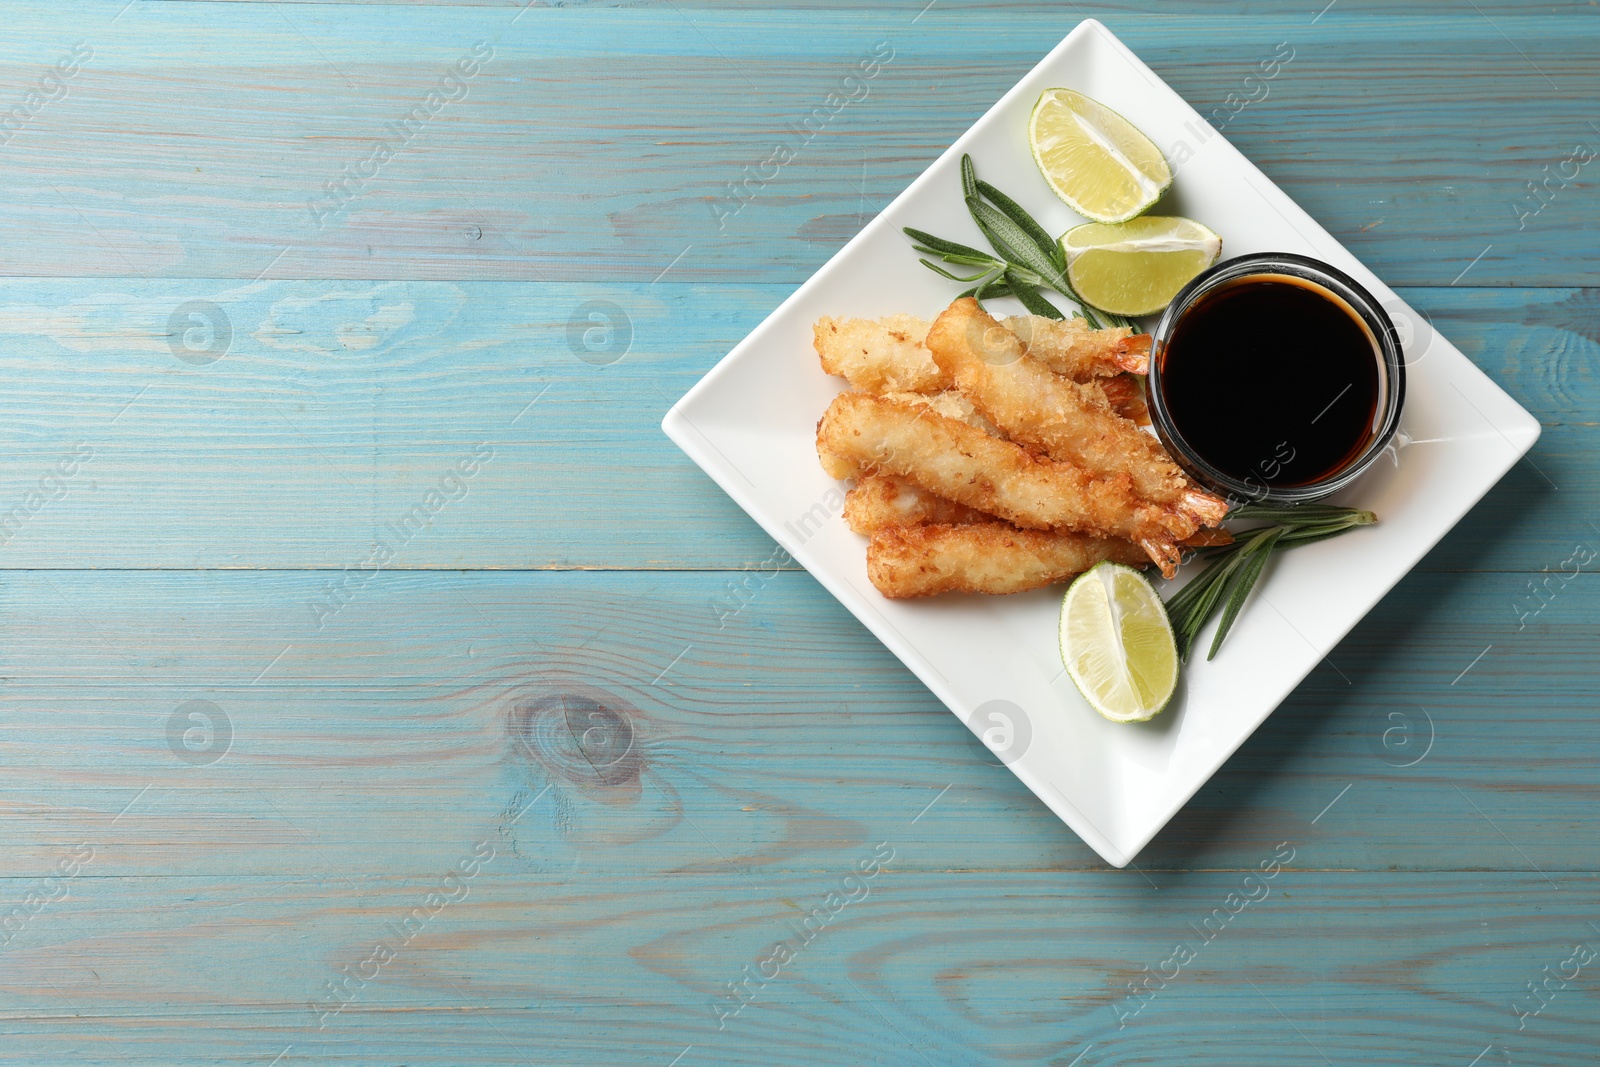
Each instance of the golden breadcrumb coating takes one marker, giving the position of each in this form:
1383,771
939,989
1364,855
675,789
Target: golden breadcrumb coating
880,500
1072,348
882,356
964,464
1068,421
987,557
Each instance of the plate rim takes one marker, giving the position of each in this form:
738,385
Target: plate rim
680,428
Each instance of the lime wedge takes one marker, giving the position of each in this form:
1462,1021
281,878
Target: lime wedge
1137,267
1117,643
1094,159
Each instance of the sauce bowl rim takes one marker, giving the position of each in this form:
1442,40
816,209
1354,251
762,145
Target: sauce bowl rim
1361,301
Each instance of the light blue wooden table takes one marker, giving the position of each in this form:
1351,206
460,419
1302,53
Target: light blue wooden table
329,470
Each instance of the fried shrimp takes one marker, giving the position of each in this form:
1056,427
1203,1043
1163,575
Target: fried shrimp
889,355
1072,348
1069,421
964,464
1126,397
880,501
882,356
986,557
952,405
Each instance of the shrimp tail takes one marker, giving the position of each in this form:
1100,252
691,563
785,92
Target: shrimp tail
1164,553
1132,354
1208,509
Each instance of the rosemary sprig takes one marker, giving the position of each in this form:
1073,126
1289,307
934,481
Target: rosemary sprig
1234,569
1025,259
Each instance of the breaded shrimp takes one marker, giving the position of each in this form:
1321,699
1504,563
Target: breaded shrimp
882,356
952,405
949,403
1070,347
988,557
964,464
880,500
1126,397
1069,421
888,355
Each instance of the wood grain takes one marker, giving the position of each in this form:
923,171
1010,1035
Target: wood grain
256,763
1411,137
773,739
530,969
344,404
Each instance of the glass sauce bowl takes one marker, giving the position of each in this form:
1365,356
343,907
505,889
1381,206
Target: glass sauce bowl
1240,390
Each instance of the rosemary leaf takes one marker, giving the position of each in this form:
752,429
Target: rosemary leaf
994,285
1233,570
994,288
1027,253
1205,605
1014,211
986,220
1030,297
940,270
984,290
1302,514
1313,534
968,261
943,247
1255,556
1013,243
1185,598
1194,604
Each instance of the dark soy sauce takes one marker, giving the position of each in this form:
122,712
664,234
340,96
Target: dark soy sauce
1272,380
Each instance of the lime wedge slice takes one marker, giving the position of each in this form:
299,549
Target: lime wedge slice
1117,643
1094,159
1137,267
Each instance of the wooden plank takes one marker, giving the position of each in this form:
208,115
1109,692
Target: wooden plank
1176,8
1542,349
1435,777
776,738
338,406
938,967
192,141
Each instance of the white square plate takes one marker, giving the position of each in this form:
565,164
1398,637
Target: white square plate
751,424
